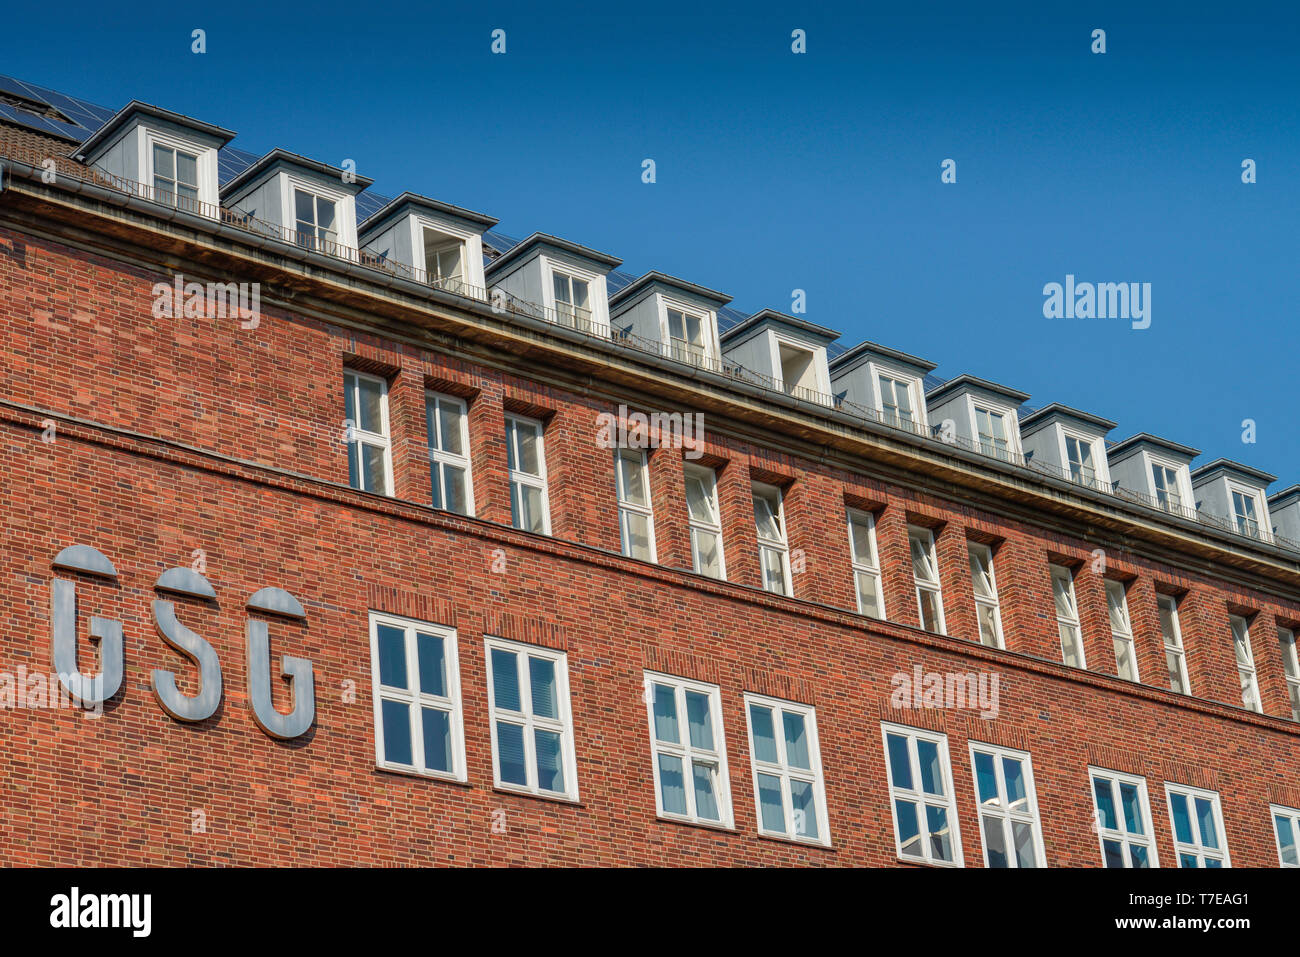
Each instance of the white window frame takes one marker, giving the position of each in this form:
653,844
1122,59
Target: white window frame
935,586
897,383
1198,850
785,772
357,435
1121,835
1010,422
1186,497
439,458
1121,634
687,753
1246,670
344,203
863,567
714,527
1256,499
1290,668
779,547
1293,816
569,313
917,796
1176,648
518,478
708,329
1001,812
916,394
1060,571
981,601
317,195
563,725
626,507
821,375
413,696
1097,450
208,176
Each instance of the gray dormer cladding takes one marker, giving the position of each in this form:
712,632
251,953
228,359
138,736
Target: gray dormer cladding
397,234
265,191
641,309
961,402
787,349
1217,486
1131,463
527,271
1284,510
855,376
1043,436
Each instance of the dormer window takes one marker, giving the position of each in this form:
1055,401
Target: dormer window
798,373
1245,512
316,219
1165,481
572,300
686,336
444,259
991,425
895,399
175,177
1078,460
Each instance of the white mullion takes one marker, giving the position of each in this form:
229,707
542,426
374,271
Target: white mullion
684,734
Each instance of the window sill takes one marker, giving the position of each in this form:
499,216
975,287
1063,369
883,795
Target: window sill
552,798
705,825
815,845
422,775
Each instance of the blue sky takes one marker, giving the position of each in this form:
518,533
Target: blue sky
819,171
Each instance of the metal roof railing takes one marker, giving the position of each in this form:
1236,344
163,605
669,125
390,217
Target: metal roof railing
678,351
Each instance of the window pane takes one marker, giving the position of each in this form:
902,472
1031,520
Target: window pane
771,803
1013,772
1173,665
764,732
672,792
1113,853
981,573
860,537
940,839
397,732
931,770
560,283
1138,855
187,169
995,839
699,720
450,419
550,764
531,518
804,808
505,680
433,665
1182,820
528,460
699,499
765,518
665,712
900,765
1286,839
707,557
796,741
986,779
706,803
1023,835
324,213
510,751
636,535
1188,860
392,656
1071,649
437,739
354,467
162,162
1128,796
1205,817
374,472
868,595
457,489
909,828
988,618
304,208
632,478
542,677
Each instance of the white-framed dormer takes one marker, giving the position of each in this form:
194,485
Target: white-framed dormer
556,276
979,415
789,352
1236,493
1156,469
430,241
1067,443
887,382
680,317
271,189
163,156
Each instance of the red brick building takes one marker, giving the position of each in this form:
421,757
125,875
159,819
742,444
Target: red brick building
574,671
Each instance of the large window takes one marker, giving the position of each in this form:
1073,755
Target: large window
526,457
1286,638
1121,631
1172,632
532,727
636,520
365,411
418,721
175,177
1165,481
686,337
1286,829
1008,807
1198,827
1123,819
688,750
985,585
444,260
787,769
316,219
991,425
866,565
895,400
920,793
705,521
1245,662
572,300
773,553
1067,617
925,570
1078,460
1245,512
449,473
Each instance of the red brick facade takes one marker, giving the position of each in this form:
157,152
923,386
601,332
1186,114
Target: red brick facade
177,435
